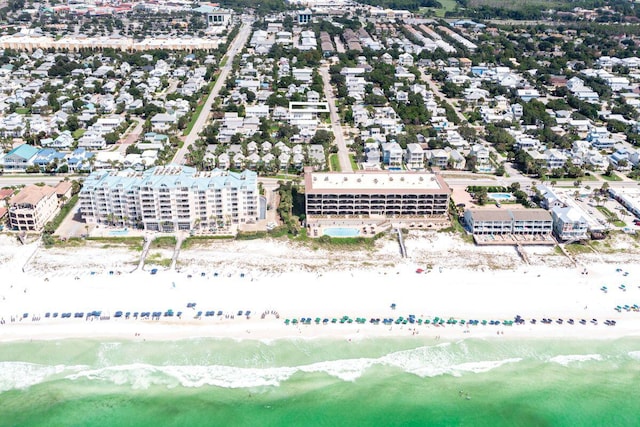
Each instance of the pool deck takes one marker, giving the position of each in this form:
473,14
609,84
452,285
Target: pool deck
369,227
367,230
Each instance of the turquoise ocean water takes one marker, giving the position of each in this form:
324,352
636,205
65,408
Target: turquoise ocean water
371,382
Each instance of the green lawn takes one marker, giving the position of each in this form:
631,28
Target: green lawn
334,162
196,113
447,6
605,211
22,110
612,177
354,164
566,181
194,118
53,225
611,216
77,134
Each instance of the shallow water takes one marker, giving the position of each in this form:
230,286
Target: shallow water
320,383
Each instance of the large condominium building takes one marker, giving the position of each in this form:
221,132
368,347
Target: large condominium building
31,208
376,194
168,198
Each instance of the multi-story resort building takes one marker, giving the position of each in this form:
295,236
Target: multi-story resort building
374,196
169,198
31,208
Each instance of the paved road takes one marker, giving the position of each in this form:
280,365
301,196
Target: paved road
235,46
434,88
343,152
339,46
133,136
8,180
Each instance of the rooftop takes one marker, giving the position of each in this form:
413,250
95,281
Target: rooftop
375,181
31,195
170,176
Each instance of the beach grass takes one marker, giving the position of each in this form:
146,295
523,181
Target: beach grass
192,241
167,242
578,248
456,225
157,259
353,243
132,242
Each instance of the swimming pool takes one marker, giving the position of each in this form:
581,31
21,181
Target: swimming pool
341,232
501,196
122,232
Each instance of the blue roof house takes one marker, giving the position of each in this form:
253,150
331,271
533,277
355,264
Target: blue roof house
79,160
19,158
47,156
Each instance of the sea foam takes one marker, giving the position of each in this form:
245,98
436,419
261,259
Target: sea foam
634,355
565,360
425,361
20,375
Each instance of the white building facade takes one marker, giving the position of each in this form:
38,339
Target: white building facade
169,198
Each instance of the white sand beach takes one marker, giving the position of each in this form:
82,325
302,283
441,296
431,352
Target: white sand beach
460,281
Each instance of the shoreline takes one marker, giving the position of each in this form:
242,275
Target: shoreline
138,331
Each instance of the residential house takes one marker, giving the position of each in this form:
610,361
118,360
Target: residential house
482,160
372,155
600,138
79,160
18,159
621,159
163,122
414,157
392,155
569,224
48,156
